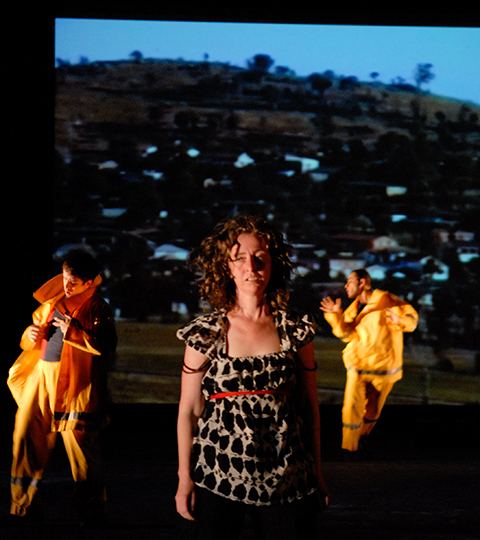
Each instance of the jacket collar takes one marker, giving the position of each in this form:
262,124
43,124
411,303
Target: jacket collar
52,292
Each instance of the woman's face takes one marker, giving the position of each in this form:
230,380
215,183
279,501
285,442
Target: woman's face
250,264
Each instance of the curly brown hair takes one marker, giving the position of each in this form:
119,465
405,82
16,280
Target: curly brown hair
209,262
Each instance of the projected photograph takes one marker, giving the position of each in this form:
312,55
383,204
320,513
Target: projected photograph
361,144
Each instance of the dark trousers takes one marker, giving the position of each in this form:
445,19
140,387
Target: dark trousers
217,518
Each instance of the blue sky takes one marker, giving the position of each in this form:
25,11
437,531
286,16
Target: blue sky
392,51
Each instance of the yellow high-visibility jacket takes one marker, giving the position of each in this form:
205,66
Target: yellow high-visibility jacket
90,340
374,346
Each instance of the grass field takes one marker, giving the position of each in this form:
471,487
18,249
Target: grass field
149,364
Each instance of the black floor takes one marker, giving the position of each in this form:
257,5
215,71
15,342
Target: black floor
421,483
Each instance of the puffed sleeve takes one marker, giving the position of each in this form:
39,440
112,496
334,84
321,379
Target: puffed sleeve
203,333
300,329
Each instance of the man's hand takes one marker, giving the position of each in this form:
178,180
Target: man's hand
33,332
392,317
62,323
329,306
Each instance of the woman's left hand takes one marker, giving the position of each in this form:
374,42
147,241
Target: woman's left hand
185,498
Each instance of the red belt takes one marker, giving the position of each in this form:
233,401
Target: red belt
220,395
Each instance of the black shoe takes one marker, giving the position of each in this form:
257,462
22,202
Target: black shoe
365,449
348,456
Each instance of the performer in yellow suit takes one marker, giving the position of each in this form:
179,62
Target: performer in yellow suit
373,327
59,384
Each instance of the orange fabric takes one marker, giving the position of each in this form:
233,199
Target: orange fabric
81,390
33,443
373,358
373,344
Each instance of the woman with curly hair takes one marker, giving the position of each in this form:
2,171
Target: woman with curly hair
248,373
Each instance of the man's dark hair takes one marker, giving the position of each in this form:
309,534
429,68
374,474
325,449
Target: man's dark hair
81,264
363,274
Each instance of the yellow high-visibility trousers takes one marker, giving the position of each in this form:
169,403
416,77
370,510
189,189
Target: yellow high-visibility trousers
34,440
365,396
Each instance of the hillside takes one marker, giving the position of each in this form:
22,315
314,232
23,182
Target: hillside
155,152
364,133
151,93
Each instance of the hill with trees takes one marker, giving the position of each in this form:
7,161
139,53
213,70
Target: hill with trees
152,152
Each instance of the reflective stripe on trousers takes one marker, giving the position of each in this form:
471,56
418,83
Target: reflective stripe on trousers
365,396
33,442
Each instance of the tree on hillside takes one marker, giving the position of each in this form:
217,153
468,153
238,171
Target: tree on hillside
62,63
186,119
136,55
423,74
261,62
319,83
348,83
284,71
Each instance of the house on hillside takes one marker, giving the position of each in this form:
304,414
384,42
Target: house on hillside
467,247
342,265
382,256
346,252
387,250
435,268
463,243
170,252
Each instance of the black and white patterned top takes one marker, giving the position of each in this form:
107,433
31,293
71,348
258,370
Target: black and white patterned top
250,448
